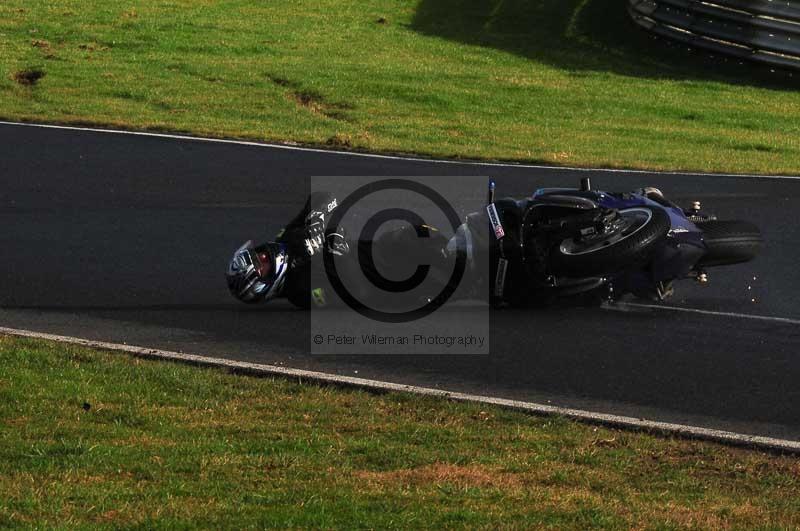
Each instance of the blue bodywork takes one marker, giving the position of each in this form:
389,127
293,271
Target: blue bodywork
674,258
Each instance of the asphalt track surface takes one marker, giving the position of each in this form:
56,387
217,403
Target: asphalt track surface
125,239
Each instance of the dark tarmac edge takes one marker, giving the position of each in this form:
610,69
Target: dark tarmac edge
728,438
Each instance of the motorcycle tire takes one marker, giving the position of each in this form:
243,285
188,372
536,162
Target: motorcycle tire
618,251
729,242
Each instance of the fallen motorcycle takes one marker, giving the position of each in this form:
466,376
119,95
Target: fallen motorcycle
610,243
558,242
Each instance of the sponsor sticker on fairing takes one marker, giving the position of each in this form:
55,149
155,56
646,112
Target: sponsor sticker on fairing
494,218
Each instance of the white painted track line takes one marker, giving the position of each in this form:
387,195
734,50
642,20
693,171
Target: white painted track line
388,157
616,421
620,306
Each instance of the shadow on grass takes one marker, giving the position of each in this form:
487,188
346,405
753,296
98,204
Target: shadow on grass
582,35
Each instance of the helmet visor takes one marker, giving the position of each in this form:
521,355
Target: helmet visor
263,264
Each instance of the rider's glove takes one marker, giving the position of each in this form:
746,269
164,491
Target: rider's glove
315,237
315,233
316,240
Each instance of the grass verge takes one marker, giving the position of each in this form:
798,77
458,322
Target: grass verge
91,438
558,81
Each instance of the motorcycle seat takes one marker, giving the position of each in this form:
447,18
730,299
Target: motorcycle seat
561,200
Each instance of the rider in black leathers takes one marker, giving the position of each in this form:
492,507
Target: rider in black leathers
283,268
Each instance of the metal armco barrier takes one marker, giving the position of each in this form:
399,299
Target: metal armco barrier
765,31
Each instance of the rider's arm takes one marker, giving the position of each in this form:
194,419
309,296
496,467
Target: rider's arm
305,233
307,236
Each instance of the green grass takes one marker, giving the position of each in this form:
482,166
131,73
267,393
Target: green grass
91,438
560,81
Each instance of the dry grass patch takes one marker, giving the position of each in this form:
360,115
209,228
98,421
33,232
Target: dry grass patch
440,473
315,102
28,77
340,140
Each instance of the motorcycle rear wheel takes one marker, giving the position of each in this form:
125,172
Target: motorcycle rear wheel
729,242
644,227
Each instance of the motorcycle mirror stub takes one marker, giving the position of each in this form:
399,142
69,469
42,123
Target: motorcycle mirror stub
586,184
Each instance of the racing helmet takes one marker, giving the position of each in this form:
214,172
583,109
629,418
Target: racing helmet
257,274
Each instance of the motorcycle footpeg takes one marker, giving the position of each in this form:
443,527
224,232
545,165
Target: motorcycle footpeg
700,218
